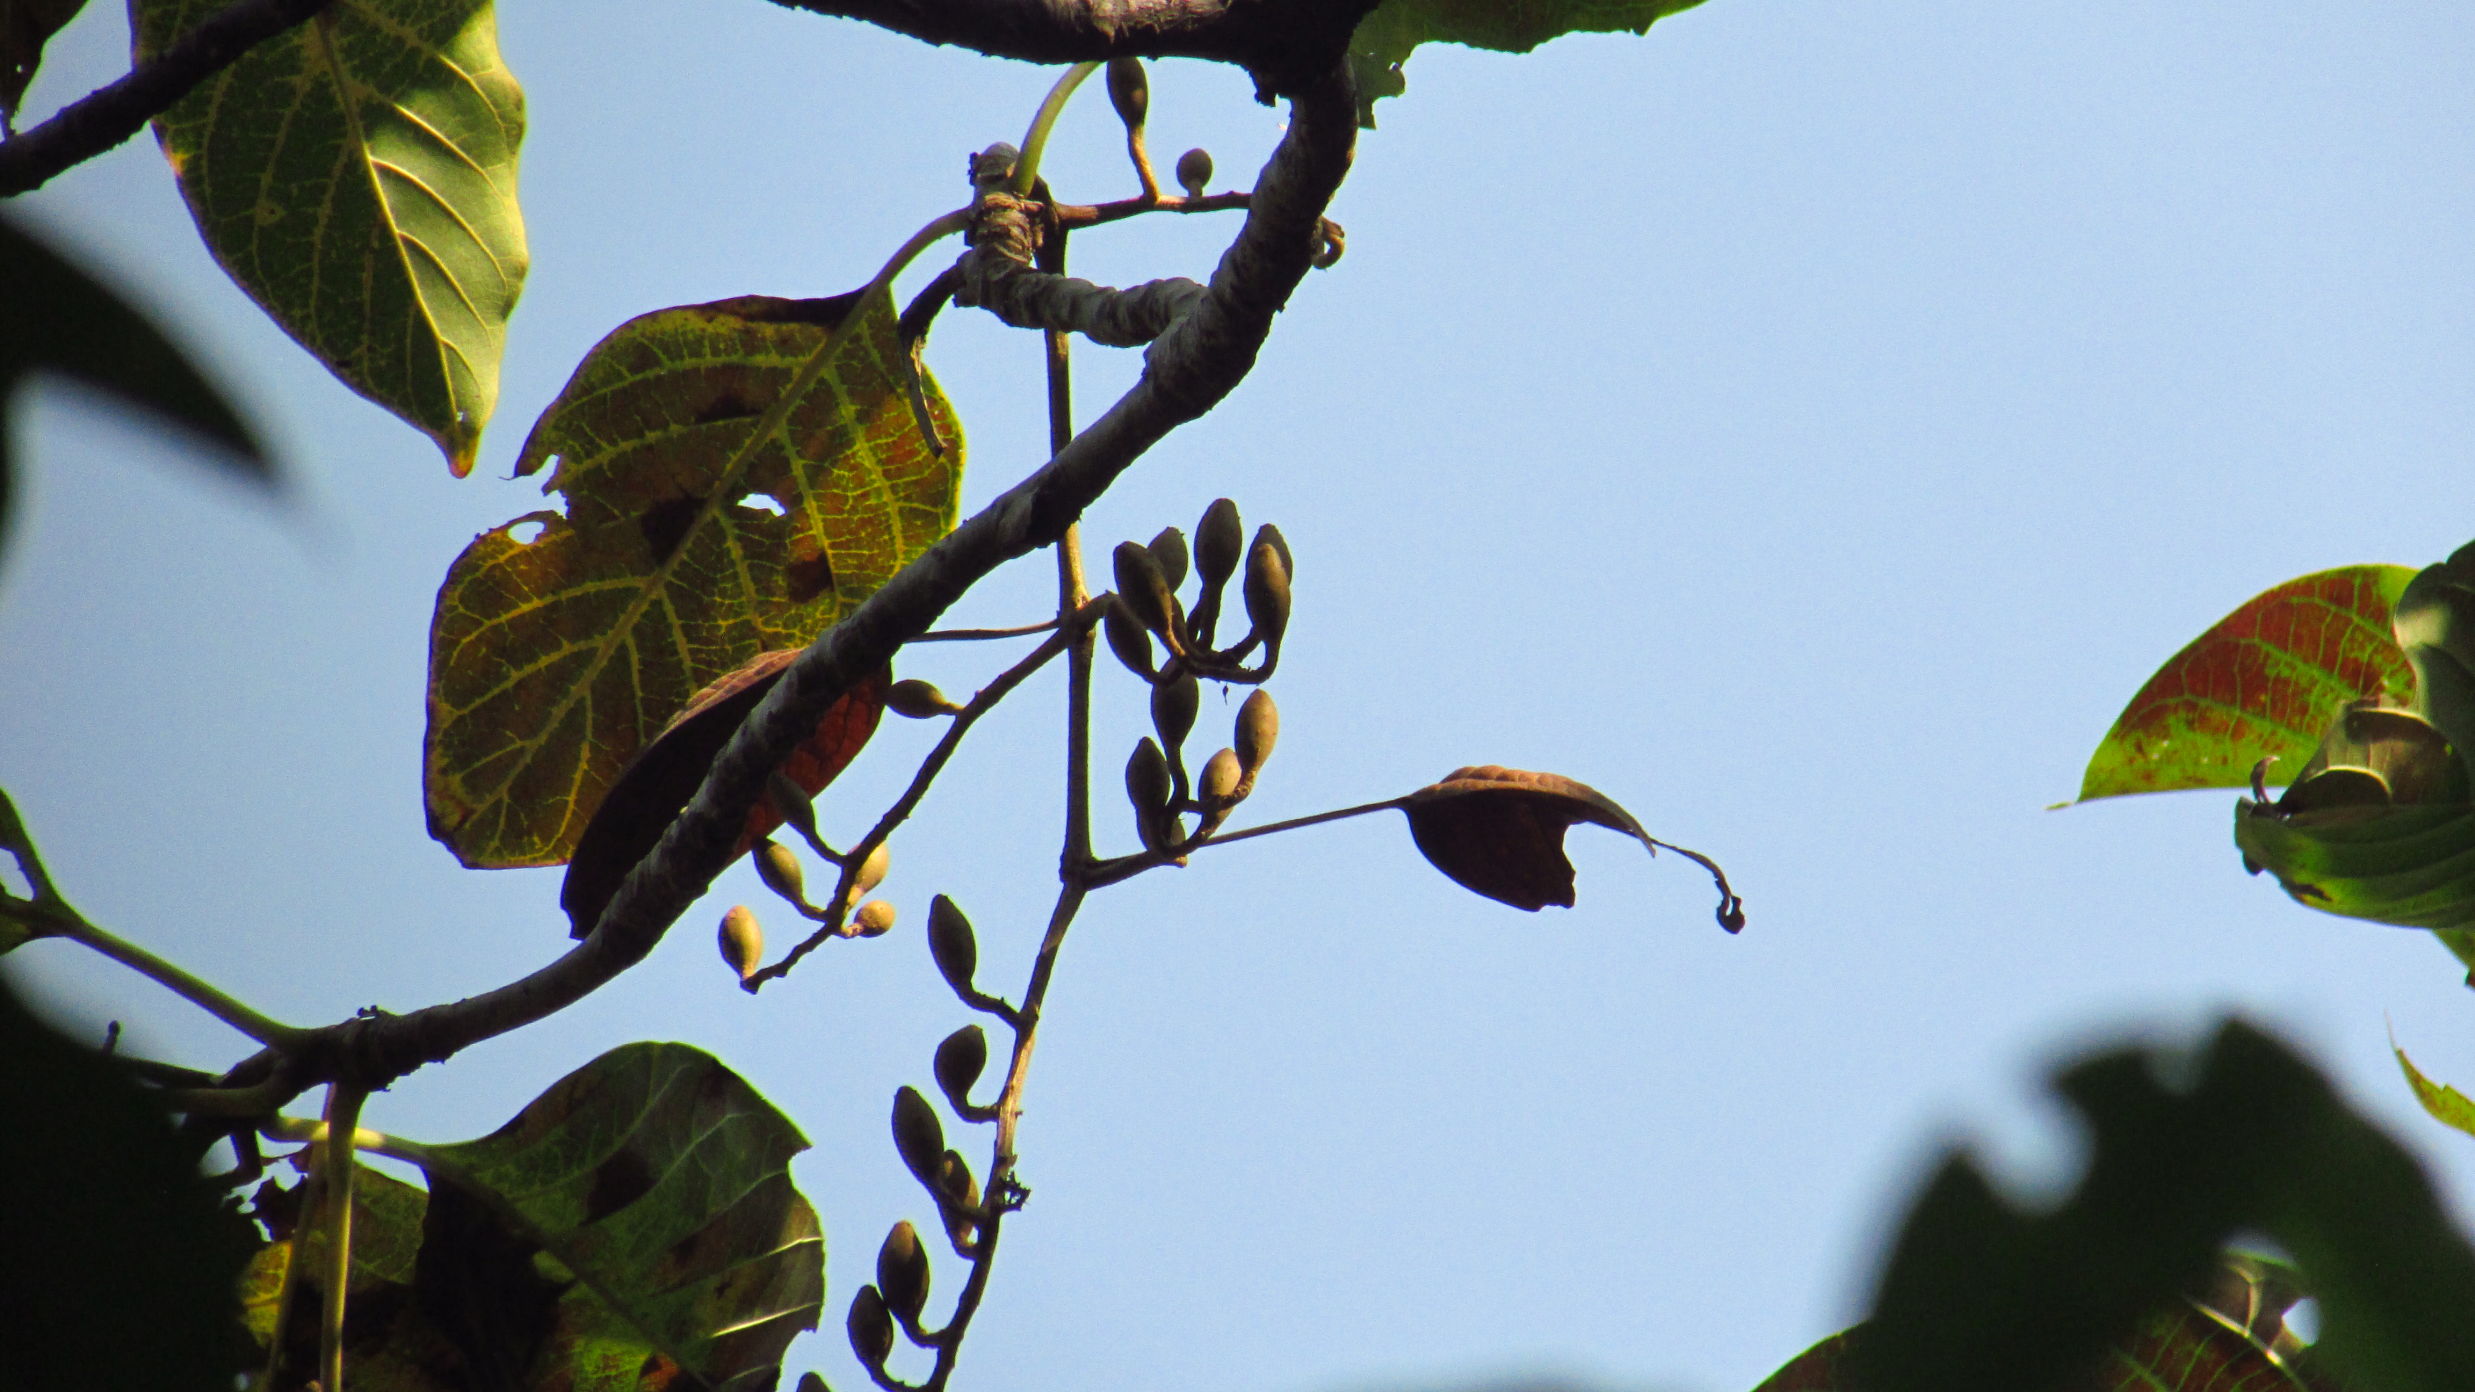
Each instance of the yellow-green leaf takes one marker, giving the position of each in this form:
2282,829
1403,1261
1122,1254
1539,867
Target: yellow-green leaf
357,176
2446,1104
736,476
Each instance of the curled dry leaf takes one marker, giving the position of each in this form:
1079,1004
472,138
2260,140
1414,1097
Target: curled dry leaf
653,789
1500,832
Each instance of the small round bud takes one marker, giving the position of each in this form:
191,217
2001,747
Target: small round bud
1174,705
1127,640
1220,543
875,919
918,1136
1194,172
1143,589
1129,91
918,700
872,870
1169,553
1258,729
742,941
959,1061
902,1270
951,942
780,870
1221,776
1267,591
870,1327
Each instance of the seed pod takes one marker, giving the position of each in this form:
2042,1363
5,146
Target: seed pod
1222,775
1143,589
1267,591
902,1270
743,942
950,941
872,870
875,919
918,700
1220,543
1169,552
779,869
871,1328
959,1061
1194,171
1174,704
1129,91
1126,639
1258,729
918,1135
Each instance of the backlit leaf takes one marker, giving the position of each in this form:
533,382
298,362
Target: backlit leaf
2263,682
1386,36
2446,1104
1500,832
736,476
2183,1347
660,781
357,176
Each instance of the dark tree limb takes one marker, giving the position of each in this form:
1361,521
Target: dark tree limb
1187,371
111,114
996,276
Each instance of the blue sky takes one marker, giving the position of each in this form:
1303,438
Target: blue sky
1808,424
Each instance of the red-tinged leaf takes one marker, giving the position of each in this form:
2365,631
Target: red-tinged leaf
2264,682
653,789
1499,832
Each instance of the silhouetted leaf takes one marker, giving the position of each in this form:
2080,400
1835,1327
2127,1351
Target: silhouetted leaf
25,25
1500,832
357,176
737,476
2264,682
654,788
1385,37
1978,1293
120,1259
55,317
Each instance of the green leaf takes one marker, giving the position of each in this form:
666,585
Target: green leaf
1386,36
2410,866
2447,1105
736,477
55,317
1980,1293
2435,624
2181,1347
634,1227
25,26
357,176
121,1257
2262,683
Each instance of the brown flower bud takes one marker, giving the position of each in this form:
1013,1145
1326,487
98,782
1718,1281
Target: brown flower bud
742,941
870,1327
1194,172
1267,589
1144,589
779,868
1169,553
902,1270
1258,729
1129,91
959,1061
875,919
1126,639
1221,778
951,942
918,700
1220,543
1174,704
918,1136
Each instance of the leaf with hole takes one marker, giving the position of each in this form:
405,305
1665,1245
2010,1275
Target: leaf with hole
660,781
736,477
2262,683
1500,832
357,176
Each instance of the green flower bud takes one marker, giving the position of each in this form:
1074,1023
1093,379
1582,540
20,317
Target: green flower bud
959,1061
1258,729
918,1136
951,942
1174,705
918,700
742,941
1169,553
1127,640
875,919
1194,172
1220,543
870,1327
1267,591
1129,91
1144,589
781,872
902,1270
1222,776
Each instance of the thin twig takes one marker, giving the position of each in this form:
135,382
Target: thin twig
343,1119
112,113
974,635
1108,872
1074,215
181,983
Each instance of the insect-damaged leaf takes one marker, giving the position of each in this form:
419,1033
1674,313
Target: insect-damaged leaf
2263,682
661,780
357,176
634,1227
737,475
1500,832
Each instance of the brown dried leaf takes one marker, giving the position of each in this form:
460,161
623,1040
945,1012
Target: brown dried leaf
653,789
1500,832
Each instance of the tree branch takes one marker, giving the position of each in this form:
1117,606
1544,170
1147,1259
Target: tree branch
111,114
1187,371
995,277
